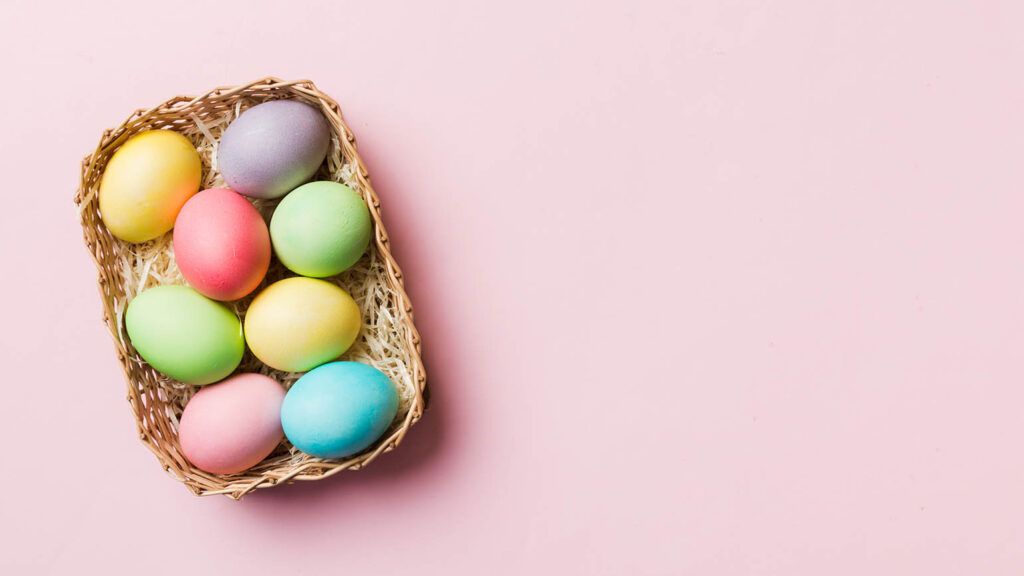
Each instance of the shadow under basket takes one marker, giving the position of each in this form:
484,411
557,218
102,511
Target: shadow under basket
388,339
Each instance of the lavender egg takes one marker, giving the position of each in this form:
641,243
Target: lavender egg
272,148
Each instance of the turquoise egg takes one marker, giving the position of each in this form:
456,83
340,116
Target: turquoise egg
338,409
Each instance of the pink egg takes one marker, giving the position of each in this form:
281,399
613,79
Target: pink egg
231,426
221,244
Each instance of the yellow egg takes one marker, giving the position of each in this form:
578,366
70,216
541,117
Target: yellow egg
297,324
146,183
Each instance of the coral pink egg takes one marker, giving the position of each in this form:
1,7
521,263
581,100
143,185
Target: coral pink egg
221,244
231,426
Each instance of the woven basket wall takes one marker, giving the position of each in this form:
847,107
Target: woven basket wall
389,339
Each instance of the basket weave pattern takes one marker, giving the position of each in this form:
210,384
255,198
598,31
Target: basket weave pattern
388,339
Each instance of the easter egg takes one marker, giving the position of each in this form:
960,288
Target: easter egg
272,148
298,323
232,425
145,184
338,409
221,244
320,229
185,335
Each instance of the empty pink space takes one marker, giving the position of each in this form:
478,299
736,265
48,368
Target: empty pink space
704,287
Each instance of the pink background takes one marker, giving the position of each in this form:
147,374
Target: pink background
705,287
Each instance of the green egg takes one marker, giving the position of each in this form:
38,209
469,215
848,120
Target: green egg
320,229
185,335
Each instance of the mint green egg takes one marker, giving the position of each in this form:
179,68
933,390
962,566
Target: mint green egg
320,229
185,335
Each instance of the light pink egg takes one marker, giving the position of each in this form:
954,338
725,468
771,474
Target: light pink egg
221,244
231,426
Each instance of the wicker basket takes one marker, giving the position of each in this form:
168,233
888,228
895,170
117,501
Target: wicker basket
388,340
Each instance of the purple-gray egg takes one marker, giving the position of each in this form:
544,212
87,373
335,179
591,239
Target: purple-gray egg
272,148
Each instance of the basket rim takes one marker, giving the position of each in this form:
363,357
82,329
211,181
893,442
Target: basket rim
111,138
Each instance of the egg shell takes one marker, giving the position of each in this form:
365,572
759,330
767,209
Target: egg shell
298,323
231,426
272,148
339,409
320,229
185,335
221,244
145,184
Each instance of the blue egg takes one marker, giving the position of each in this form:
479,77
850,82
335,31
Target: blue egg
338,409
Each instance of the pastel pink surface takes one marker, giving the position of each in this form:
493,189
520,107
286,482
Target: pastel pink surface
231,426
705,287
221,244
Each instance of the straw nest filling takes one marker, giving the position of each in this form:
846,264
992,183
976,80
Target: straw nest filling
387,339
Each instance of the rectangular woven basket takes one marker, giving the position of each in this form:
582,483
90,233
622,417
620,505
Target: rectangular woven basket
388,339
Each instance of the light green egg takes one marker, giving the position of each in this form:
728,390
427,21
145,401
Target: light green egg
185,335
320,229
